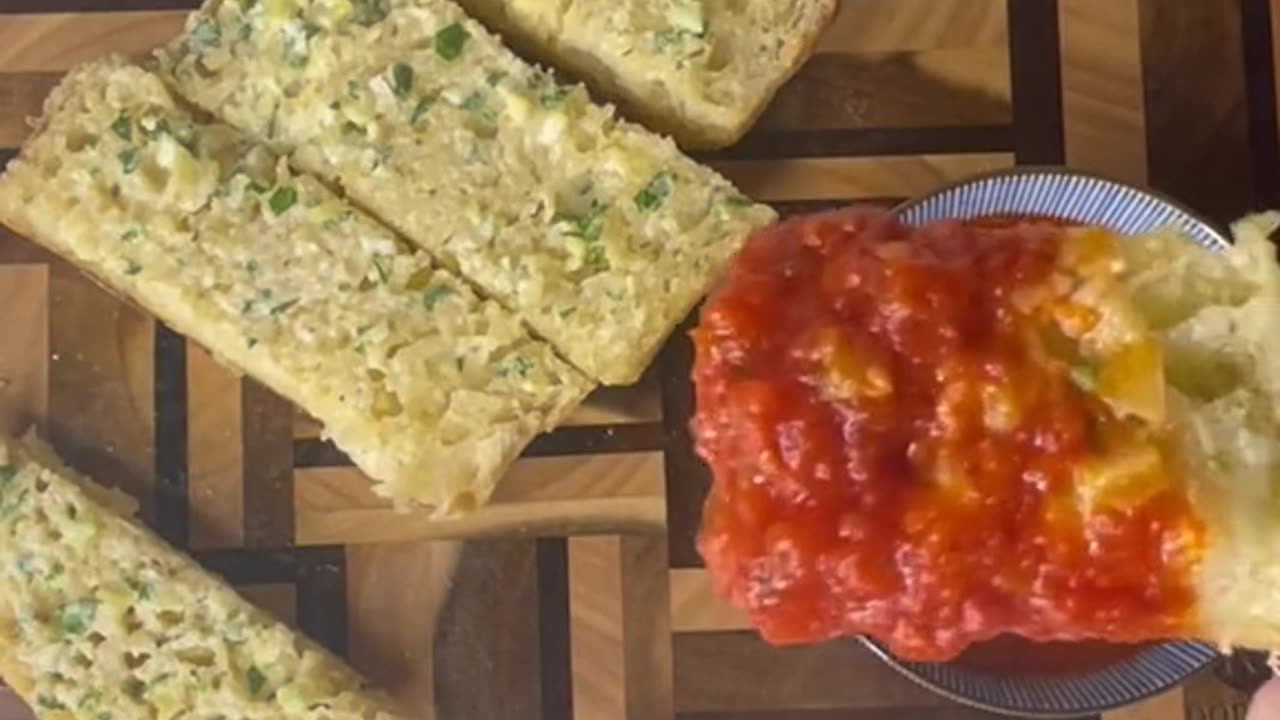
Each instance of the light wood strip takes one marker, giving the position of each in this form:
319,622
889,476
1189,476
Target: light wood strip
619,493
278,599
215,454
595,627
1104,121
56,42
24,353
646,628
695,606
1166,705
395,595
22,98
902,25
101,384
834,178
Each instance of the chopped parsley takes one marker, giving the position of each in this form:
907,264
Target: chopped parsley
251,343
554,99
128,160
282,199
48,702
76,617
494,77
256,680
132,268
434,295
516,366
284,306
122,127
383,273
370,12
297,50
423,106
450,40
401,79
653,194
567,312
739,201
590,226
131,234
206,33
459,362
143,589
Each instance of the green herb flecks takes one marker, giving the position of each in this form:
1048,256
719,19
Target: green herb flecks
554,99
256,681
284,307
297,48
494,77
567,312
370,12
132,268
7,473
48,702
383,273
401,79
515,366
247,5
589,228
422,107
142,589
432,296
128,160
459,363
273,124
450,40
738,201
485,122
131,234
123,127
76,617
206,33
282,199
655,193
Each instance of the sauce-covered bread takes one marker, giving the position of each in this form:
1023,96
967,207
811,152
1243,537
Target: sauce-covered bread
100,619
940,435
430,389
599,234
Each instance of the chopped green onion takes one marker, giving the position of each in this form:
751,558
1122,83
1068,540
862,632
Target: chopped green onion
450,40
132,268
206,33
76,617
284,306
434,295
256,680
653,194
401,79
128,160
424,105
554,99
122,127
282,199
370,12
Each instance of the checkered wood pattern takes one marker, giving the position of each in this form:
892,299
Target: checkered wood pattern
578,592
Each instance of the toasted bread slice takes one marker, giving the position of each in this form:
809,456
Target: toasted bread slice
599,234
99,618
699,70
431,390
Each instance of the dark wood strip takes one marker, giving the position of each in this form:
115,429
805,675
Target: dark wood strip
322,596
646,627
837,142
597,440
1036,67
85,6
736,671
487,655
172,521
267,438
1260,93
687,478
568,440
553,629
1197,119
242,566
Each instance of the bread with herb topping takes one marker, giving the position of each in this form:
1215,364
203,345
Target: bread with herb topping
431,390
699,70
100,619
601,235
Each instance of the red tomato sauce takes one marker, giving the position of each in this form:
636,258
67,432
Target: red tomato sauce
841,373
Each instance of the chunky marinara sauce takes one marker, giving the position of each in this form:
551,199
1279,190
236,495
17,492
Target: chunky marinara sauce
892,458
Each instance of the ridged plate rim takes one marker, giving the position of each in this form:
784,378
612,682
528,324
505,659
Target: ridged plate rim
1086,199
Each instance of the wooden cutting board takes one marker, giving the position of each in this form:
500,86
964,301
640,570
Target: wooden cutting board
578,593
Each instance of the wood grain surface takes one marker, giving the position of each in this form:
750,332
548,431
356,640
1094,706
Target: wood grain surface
578,592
